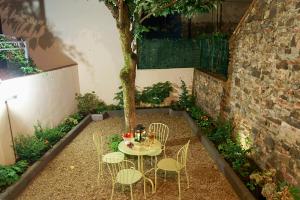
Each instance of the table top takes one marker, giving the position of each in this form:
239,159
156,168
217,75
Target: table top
140,149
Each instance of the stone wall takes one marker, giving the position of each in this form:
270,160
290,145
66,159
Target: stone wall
262,93
209,92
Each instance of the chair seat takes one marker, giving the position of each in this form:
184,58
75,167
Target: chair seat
114,157
128,176
169,164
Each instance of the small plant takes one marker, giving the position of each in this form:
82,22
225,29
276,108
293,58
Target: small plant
29,148
67,124
119,97
271,190
10,174
157,93
196,113
222,133
185,99
88,103
235,154
50,136
114,141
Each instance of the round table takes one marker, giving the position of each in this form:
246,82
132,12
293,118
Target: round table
140,150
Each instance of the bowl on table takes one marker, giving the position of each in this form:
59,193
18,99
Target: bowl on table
128,138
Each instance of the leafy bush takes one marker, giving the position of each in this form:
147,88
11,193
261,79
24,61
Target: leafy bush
222,133
114,141
49,135
157,93
10,174
88,103
29,148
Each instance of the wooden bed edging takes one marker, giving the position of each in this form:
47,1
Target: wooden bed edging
239,187
14,190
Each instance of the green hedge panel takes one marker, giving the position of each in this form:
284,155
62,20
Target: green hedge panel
208,54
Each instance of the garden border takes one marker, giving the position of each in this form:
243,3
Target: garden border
14,190
239,187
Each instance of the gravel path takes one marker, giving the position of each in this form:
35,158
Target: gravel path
73,173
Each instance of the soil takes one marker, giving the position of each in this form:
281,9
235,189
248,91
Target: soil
73,173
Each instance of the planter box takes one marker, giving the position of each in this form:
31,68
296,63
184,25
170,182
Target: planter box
99,117
239,187
176,113
14,190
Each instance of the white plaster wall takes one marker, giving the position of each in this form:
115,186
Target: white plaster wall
47,97
89,35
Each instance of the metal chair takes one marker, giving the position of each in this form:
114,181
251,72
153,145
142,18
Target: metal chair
123,173
161,132
170,164
109,157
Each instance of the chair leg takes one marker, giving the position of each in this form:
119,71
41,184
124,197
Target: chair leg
155,174
112,191
187,178
131,195
179,190
165,176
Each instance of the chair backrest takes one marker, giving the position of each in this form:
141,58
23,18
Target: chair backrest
161,132
182,154
98,141
114,168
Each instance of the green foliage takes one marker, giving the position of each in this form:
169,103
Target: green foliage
114,141
29,148
222,133
17,57
119,97
235,154
185,99
157,93
10,174
88,103
295,192
153,95
50,136
196,113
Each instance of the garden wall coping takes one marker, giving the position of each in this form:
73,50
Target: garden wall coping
14,190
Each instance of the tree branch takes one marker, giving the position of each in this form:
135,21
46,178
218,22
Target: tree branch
160,9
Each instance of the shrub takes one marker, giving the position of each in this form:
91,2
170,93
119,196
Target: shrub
10,174
88,103
29,148
157,93
196,113
119,97
114,141
185,99
222,133
49,135
235,154
67,124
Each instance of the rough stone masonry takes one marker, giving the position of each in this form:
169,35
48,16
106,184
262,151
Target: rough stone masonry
262,93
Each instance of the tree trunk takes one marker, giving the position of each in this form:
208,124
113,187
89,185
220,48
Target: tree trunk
128,73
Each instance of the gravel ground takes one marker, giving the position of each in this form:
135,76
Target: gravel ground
73,173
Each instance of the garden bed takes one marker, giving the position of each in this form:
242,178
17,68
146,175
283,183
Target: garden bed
14,190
